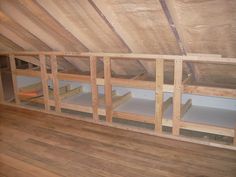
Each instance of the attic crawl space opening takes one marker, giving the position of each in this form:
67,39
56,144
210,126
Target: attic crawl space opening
162,66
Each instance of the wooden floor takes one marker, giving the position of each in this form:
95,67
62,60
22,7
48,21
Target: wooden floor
37,144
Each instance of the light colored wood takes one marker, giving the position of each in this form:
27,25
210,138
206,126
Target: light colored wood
177,96
207,128
186,107
57,99
1,89
27,72
136,56
234,136
44,80
108,88
73,77
159,95
134,117
210,91
118,100
94,87
14,79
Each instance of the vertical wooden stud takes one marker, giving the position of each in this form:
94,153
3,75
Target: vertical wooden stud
177,99
14,79
159,95
93,76
1,89
234,137
108,88
55,81
44,80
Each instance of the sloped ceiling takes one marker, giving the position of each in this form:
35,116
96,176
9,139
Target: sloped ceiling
122,26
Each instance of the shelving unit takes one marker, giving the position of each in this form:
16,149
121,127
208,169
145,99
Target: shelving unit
170,112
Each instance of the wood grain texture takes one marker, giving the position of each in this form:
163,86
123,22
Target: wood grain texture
38,144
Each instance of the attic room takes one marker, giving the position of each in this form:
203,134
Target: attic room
117,88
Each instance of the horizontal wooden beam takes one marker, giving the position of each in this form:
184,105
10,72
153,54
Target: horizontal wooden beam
210,91
74,77
207,128
195,58
134,117
149,85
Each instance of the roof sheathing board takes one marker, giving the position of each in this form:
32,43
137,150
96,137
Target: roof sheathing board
208,26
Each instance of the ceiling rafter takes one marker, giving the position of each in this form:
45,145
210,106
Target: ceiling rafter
171,16
116,28
9,43
100,13
10,26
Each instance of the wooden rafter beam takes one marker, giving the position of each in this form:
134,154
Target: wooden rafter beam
108,23
170,13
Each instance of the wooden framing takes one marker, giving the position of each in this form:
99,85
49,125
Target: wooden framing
93,73
178,71
158,86
44,80
1,89
108,88
14,79
55,83
159,95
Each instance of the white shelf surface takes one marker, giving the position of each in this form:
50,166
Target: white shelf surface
196,114
83,99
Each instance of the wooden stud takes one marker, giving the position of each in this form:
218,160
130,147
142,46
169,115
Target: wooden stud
234,136
178,69
44,80
1,89
57,100
93,75
14,79
159,95
108,88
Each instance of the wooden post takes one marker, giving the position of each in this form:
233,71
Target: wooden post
44,80
14,80
56,94
1,89
234,136
159,94
177,95
108,88
93,75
